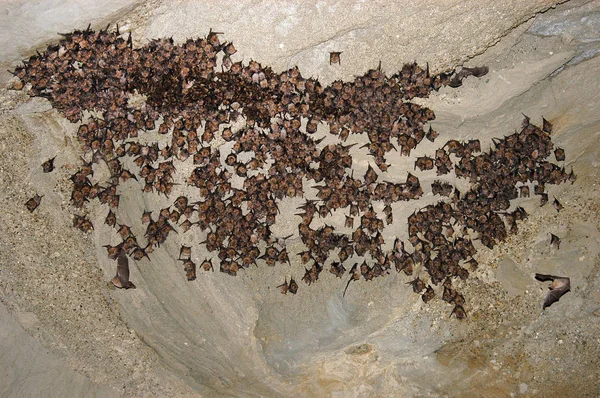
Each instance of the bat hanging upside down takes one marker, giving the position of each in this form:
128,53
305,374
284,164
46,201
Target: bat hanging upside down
560,285
121,280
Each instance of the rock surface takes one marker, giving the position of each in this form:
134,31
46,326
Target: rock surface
238,336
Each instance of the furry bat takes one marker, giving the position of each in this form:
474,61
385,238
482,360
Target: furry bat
33,203
560,285
334,57
121,280
293,286
48,165
555,241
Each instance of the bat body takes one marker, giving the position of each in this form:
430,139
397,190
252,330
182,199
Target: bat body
121,280
560,285
48,165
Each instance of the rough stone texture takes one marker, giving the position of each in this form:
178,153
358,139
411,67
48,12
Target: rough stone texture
238,336
21,356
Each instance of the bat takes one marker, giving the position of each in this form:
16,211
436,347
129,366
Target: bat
334,57
48,165
293,286
121,280
560,285
555,241
33,203
190,269
557,205
459,312
185,251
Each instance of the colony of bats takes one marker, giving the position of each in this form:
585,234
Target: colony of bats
194,94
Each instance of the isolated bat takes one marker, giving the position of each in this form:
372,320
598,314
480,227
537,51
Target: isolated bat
48,165
560,285
293,286
459,312
334,57
33,203
555,241
418,285
557,205
121,280
185,251
190,269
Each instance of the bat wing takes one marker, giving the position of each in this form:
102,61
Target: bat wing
283,287
123,268
543,278
559,288
115,281
553,296
560,285
347,284
123,272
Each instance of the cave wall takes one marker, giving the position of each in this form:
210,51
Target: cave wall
221,335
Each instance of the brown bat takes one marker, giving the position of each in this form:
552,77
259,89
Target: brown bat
185,251
560,285
124,231
459,312
431,134
48,165
557,205
121,280
349,222
418,285
207,265
337,269
33,203
190,269
146,217
334,57
524,191
113,251
546,126
139,253
111,219
428,295
555,241
293,286
424,163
